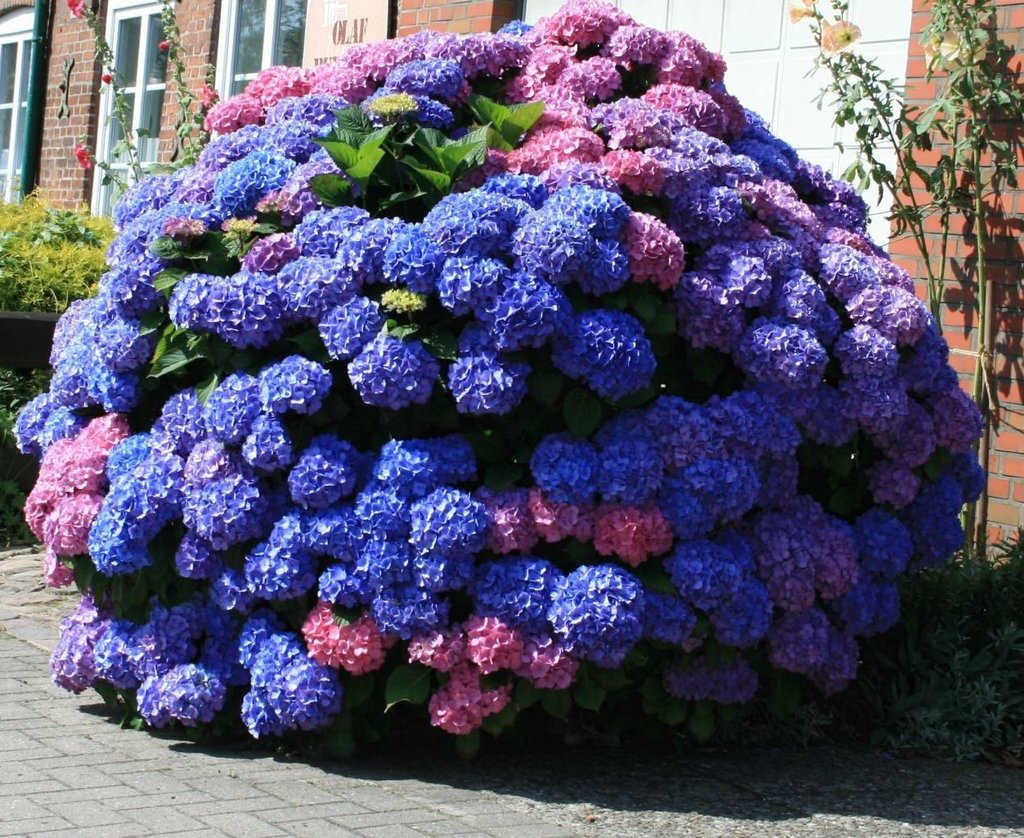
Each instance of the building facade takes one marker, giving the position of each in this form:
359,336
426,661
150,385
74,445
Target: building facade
768,59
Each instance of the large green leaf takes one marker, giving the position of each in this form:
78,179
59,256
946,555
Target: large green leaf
341,153
407,683
333,190
582,411
362,170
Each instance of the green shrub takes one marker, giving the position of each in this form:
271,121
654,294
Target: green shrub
12,522
949,679
49,257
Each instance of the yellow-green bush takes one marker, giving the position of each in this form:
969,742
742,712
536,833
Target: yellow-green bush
49,257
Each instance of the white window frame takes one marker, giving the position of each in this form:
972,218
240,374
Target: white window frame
16,29
103,197
227,41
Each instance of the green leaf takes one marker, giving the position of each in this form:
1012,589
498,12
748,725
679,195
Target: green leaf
428,179
525,694
487,110
588,695
368,160
84,571
673,712
442,345
402,330
556,703
546,387
332,190
341,153
206,388
846,501
501,475
522,117
165,282
467,746
783,695
702,721
582,411
359,690
407,683
175,350
339,744
352,118
165,247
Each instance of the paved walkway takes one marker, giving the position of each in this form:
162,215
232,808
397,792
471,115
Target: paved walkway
66,769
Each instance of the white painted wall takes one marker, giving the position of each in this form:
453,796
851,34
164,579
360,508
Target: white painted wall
769,61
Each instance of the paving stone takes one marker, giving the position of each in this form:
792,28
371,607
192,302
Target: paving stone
392,831
321,829
243,826
35,826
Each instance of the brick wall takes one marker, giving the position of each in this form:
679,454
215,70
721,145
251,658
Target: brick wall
62,180
1005,265
454,15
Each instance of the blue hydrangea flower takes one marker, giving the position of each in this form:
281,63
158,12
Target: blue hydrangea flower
295,385
597,613
327,471
566,468
607,350
518,591
393,373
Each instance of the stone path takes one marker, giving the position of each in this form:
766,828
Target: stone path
66,769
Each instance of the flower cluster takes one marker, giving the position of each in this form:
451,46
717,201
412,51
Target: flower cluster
639,388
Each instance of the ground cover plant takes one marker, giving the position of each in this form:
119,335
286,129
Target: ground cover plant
475,380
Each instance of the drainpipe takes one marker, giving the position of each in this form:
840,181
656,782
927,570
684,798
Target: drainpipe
35,102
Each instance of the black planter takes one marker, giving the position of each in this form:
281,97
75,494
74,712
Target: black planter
25,339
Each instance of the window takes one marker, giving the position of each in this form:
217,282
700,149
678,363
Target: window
134,32
15,53
255,34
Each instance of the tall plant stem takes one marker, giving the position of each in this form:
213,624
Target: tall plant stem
982,369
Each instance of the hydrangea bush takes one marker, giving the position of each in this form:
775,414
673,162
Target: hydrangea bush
476,373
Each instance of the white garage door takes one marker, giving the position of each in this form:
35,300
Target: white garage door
769,60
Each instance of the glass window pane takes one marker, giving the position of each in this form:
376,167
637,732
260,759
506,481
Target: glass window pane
129,31
291,32
8,63
5,138
156,59
249,37
26,60
116,132
149,125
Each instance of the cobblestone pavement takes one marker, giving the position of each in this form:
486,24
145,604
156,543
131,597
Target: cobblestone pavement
66,769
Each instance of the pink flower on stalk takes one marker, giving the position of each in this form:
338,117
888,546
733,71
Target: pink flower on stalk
77,8
163,46
82,155
106,78
799,9
837,38
208,97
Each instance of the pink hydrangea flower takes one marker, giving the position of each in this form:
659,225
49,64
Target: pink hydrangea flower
586,23
510,523
234,113
698,108
631,534
638,172
656,253
341,79
356,647
556,521
66,528
596,79
631,45
546,664
491,644
276,83
543,150
440,651
56,573
460,706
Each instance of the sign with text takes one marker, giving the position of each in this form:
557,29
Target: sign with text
334,25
